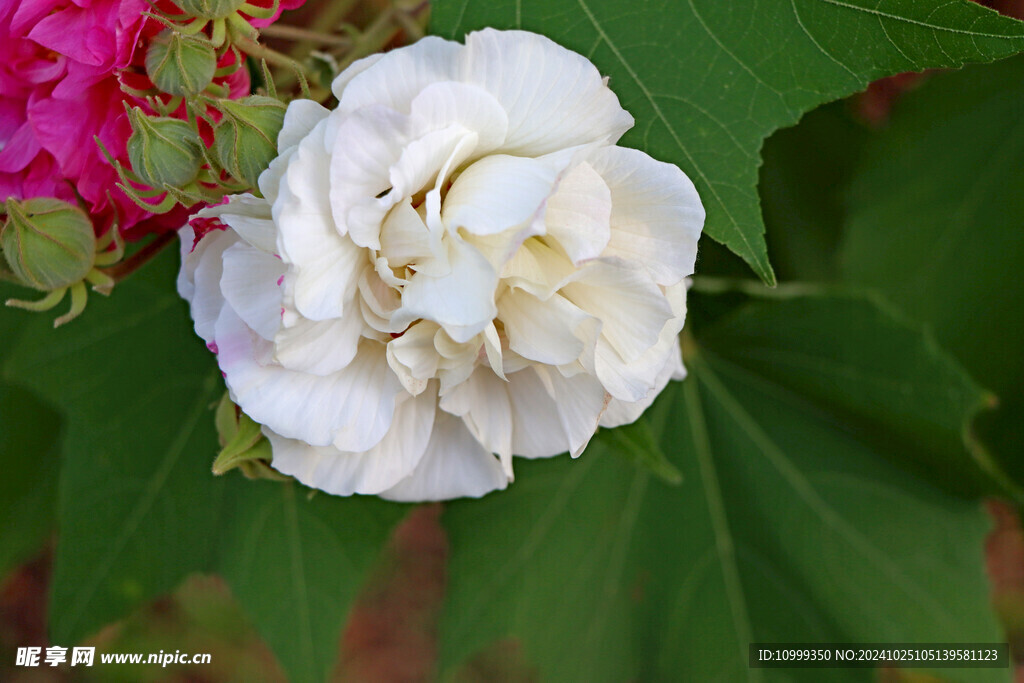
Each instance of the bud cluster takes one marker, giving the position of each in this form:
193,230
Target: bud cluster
220,145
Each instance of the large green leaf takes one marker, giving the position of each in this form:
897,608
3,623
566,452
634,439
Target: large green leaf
935,224
707,80
29,449
296,562
793,522
139,506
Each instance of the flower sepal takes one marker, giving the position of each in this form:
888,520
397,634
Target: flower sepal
242,444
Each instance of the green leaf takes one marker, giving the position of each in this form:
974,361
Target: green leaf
296,562
138,508
792,524
29,447
636,443
707,81
935,225
30,434
807,169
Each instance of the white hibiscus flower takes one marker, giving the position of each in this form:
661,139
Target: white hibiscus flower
454,266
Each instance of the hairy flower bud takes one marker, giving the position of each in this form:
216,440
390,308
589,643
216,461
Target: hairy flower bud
163,150
210,9
48,243
180,64
244,140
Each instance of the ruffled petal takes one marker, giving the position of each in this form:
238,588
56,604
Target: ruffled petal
578,215
454,465
395,78
553,414
656,216
498,192
325,265
351,409
368,472
483,404
199,279
554,98
462,302
319,347
544,331
632,309
250,286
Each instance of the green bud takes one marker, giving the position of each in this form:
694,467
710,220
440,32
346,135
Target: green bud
210,9
179,64
163,150
48,243
245,141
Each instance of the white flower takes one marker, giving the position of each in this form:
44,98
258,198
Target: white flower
454,266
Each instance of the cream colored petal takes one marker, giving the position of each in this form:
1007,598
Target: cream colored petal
483,404
497,193
454,465
394,79
554,98
249,283
578,215
631,307
552,414
350,409
656,217
542,330
462,302
368,472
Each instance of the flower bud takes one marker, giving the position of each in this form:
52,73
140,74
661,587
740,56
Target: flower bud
163,150
180,64
210,9
245,141
48,243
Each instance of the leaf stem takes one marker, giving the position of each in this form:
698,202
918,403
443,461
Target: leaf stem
140,258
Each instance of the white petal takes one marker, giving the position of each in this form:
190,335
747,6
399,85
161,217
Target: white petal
404,237
632,309
553,414
496,193
368,472
319,347
656,217
325,265
250,217
299,119
537,269
578,215
462,302
250,285
454,465
543,331
350,409
362,148
483,404
632,381
395,78
621,412
413,357
445,103
199,279
555,98
357,67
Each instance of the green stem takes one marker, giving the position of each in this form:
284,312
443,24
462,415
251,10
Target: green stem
329,16
125,268
285,32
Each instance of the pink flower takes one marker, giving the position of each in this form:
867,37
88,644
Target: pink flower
60,85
